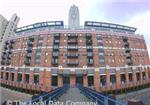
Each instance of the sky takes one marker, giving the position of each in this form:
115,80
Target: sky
134,13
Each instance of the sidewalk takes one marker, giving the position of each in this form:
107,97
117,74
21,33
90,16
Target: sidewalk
74,95
7,94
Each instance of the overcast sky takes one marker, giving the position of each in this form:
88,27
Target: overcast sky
134,13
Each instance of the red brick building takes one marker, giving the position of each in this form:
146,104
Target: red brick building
103,56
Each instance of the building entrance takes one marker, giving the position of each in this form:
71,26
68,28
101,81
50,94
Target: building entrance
66,80
79,80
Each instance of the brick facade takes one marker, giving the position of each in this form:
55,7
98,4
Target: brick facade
47,50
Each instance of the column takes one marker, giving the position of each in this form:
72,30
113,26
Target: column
23,76
31,81
72,80
60,80
85,80
97,80
16,77
141,74
42,79
146,73
126,74
9,75
47,80
134,74
4,74
107,77
118,81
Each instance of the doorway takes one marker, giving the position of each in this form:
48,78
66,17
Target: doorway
79,80
66,80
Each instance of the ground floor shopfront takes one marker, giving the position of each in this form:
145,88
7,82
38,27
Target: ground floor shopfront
100,79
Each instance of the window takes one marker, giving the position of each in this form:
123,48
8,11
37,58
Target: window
99,37
101,60
54,80
19,77
103,80
36,79
113,79
90,54
101,54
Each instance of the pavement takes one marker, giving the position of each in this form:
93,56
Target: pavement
73,95
142,95
7,94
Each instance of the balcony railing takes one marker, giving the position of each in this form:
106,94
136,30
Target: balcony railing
90,63
30,43
89,42
29,50
29,55
125,39
56,41
127,50
72,41
31,39
72,47
128,55
75,55
76,62
12,42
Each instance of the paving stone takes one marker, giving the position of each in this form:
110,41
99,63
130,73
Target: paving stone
143,95
74,95
7,94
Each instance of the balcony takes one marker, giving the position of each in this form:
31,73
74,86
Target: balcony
11,46
88,35
73,36
30,43
12,42
89,42
56,41
29,55
31,39
55,55
4,52
9,52
125,39
3,57
72,48
90,54
129,63
72,41
5,47
126,44
2,62
56,35
127,50
8,62
7,42
128,55
27,62
75,62
56,48
89,48
9,57
90,61
29,50
72,55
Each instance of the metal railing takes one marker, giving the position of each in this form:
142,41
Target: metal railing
98,97
45,98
